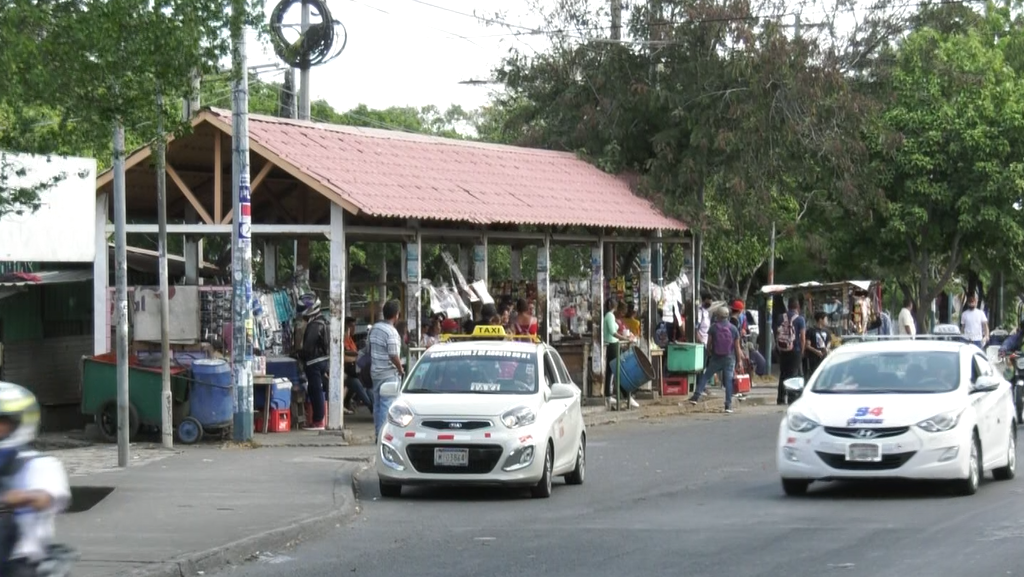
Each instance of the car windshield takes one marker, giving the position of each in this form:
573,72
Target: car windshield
910,372
474,371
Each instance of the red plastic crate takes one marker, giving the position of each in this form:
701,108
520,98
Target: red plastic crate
280,421
675,386
742,384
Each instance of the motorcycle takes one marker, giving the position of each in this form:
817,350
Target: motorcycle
1015,363
57,561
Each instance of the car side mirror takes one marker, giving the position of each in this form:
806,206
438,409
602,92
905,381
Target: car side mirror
561,391
985,384
795,384
389,389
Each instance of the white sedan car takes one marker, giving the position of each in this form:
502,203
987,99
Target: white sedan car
928,409
484,412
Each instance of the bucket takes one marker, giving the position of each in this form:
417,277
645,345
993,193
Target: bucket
636,369
213,400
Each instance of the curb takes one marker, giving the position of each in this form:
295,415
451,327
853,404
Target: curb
238,552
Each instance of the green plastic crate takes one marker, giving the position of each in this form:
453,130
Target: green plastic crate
685,358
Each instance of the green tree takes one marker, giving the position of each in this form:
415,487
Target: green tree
947,151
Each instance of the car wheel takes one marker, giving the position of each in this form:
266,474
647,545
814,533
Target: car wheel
390,490
795,487
543,488
1010,470
578,474
969,486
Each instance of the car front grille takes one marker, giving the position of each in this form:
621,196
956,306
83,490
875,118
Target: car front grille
482,459
878,433
888,462
455,424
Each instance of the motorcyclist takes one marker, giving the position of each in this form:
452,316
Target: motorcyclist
33,487
1013,342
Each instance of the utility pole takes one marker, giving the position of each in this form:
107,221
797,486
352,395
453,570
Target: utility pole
166,412
121,268
241,239
304,106
190,103
769,332
616,7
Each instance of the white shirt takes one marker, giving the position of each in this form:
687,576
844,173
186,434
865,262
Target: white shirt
37,529
703,325
972,320
906,319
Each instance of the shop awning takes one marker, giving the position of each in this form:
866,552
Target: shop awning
14,283
781,288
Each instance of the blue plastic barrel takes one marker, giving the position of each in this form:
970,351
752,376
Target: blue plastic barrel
636,369
212,402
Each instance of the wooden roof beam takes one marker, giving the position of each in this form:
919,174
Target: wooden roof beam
188,194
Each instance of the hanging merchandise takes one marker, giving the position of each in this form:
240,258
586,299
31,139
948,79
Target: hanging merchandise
458,279
480,288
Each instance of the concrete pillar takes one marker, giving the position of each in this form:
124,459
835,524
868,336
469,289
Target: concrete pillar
597,313
543,288
270,263
382,290
338,272
192,254
100,279
464,260
516,264
480,260
413,286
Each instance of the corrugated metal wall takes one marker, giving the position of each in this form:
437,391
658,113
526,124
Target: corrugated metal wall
50,368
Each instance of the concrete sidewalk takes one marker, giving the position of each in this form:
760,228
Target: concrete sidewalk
188,512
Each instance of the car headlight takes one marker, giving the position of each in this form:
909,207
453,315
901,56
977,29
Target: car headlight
942,422
800,423
400,415
518,417
1020,364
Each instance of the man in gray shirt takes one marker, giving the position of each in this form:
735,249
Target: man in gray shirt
385,360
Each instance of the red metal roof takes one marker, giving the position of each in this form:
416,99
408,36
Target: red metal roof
395,174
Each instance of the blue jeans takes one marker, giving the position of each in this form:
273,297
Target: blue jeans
381,404
315,377
356,389
724,365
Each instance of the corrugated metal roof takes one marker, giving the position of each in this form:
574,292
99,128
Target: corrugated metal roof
45,277
393,174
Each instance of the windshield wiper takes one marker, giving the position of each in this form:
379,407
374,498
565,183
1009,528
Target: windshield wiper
433,391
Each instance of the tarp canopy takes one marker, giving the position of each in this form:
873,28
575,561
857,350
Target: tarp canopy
775,289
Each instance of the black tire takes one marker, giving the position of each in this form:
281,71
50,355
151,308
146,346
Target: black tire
542,490
969,486
106,422
1010,470
390,490
1018,402
795,487
579,474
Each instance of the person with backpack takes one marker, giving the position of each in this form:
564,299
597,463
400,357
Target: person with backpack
33,488
790,341
724,341
316,357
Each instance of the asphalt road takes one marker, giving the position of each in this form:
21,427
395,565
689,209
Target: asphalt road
689,496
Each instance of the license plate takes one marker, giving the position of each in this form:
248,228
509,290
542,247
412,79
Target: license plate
451,457
864,452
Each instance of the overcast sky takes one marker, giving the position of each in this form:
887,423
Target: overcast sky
409,53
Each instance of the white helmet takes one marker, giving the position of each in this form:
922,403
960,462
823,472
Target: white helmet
19,407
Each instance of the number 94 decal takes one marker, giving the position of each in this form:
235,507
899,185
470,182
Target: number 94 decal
866,416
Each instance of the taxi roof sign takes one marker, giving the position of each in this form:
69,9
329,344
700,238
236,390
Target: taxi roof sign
491,333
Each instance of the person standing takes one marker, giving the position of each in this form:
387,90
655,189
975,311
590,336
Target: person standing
818,340
385,349
725,352
613,336
791,341
905,321
316,359
974,322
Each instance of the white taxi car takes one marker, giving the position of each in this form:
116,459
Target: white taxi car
488,409
921,408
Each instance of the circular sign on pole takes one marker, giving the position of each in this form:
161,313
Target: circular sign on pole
244,230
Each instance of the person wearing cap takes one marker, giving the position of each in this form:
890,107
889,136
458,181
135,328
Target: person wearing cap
724,344
34,488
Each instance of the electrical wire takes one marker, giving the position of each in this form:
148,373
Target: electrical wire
316,45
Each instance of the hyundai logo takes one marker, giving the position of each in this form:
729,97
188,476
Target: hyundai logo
453,425
865,433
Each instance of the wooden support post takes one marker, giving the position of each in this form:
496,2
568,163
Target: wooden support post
218,178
